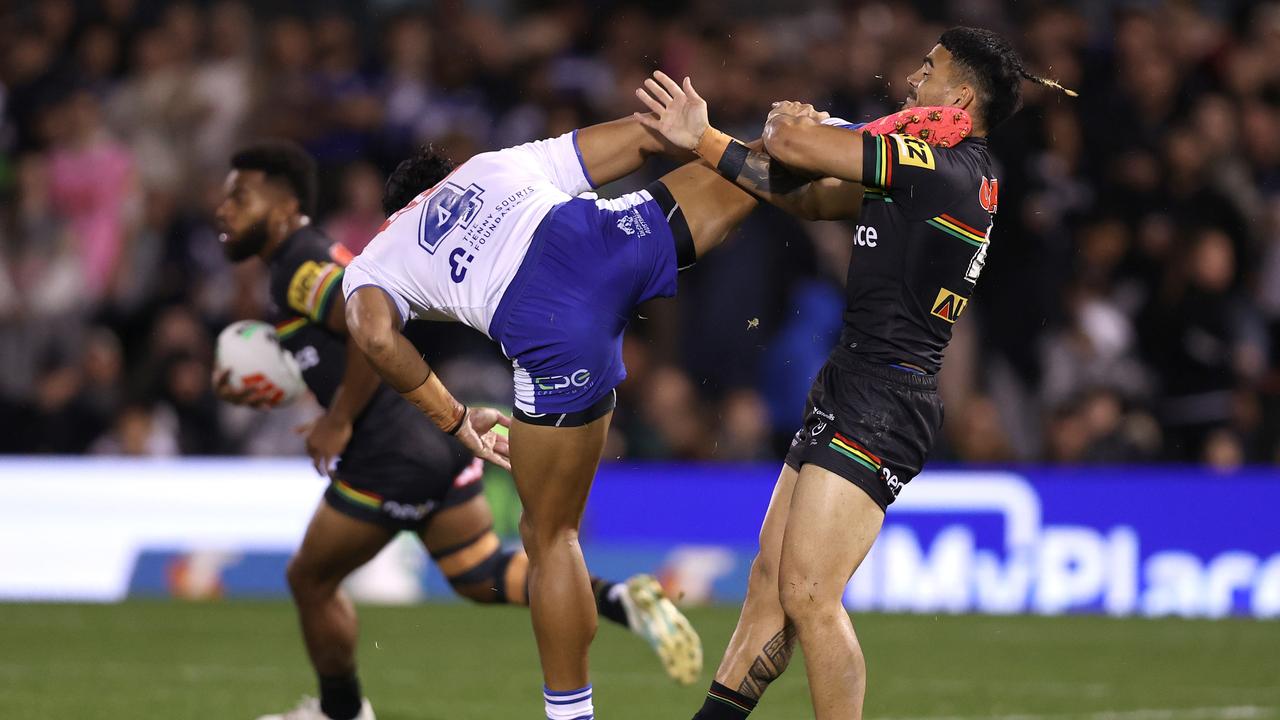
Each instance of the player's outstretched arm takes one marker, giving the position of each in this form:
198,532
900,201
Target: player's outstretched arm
680,115
373,323
617,148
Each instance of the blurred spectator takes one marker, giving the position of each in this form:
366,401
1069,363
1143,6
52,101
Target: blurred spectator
223,85
674,419
141,431
359,213
1208,340
91,184
744,428
1096,349
976,435
1097,428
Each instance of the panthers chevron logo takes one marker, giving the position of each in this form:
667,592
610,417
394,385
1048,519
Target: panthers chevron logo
855,452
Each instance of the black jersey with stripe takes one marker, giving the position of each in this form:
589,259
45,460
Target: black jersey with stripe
390,436
919,247
306,276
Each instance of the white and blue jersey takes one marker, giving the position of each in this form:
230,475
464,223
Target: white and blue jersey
843,124
450,254
504,246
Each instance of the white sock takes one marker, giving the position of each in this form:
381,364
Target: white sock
568,704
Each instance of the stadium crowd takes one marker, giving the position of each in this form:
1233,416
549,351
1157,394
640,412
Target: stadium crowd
1129,310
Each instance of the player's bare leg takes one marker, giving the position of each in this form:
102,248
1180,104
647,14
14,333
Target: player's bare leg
461,541
763,641
333,547
553,469
464,546
712,206
834,524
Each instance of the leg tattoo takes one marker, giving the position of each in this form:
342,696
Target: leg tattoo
768,666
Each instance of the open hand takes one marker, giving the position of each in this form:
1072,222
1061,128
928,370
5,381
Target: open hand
256,392
679,113
478,436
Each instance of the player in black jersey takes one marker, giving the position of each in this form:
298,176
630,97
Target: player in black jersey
924,219
394,469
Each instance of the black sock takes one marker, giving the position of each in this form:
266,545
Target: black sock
340,696
725,704
610,608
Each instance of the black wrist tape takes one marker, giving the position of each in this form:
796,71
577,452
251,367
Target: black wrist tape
731,162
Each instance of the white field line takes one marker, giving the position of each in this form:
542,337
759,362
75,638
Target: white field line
1233,712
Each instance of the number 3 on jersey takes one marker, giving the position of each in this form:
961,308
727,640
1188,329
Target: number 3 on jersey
458,262
451,207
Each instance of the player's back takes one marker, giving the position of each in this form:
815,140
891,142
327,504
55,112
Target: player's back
452,252
919,247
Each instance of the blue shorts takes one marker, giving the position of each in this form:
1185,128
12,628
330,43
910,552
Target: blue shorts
561,319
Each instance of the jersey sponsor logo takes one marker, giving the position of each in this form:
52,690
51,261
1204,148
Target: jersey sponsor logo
450,208
405,511
948,305
891,481
818,424
989,194
310,286
866,236
485,230
914,152
579,378
633,223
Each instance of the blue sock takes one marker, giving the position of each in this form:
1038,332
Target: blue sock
568,704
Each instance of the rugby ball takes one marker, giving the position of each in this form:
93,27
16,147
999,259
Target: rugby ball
251,352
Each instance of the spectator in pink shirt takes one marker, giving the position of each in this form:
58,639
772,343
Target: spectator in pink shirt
92,185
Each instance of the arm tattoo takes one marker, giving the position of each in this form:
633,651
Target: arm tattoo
768,666
761,174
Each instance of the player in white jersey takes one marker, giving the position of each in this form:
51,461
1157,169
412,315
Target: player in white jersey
505,244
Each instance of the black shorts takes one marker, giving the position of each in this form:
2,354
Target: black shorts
873,425
400,499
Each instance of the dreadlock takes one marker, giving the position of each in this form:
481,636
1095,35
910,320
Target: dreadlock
1048,83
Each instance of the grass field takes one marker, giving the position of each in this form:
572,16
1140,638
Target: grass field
452,662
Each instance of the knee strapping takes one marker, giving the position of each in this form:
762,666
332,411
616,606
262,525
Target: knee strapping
486,579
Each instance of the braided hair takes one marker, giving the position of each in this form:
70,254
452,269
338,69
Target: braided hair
997,71
1048,83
